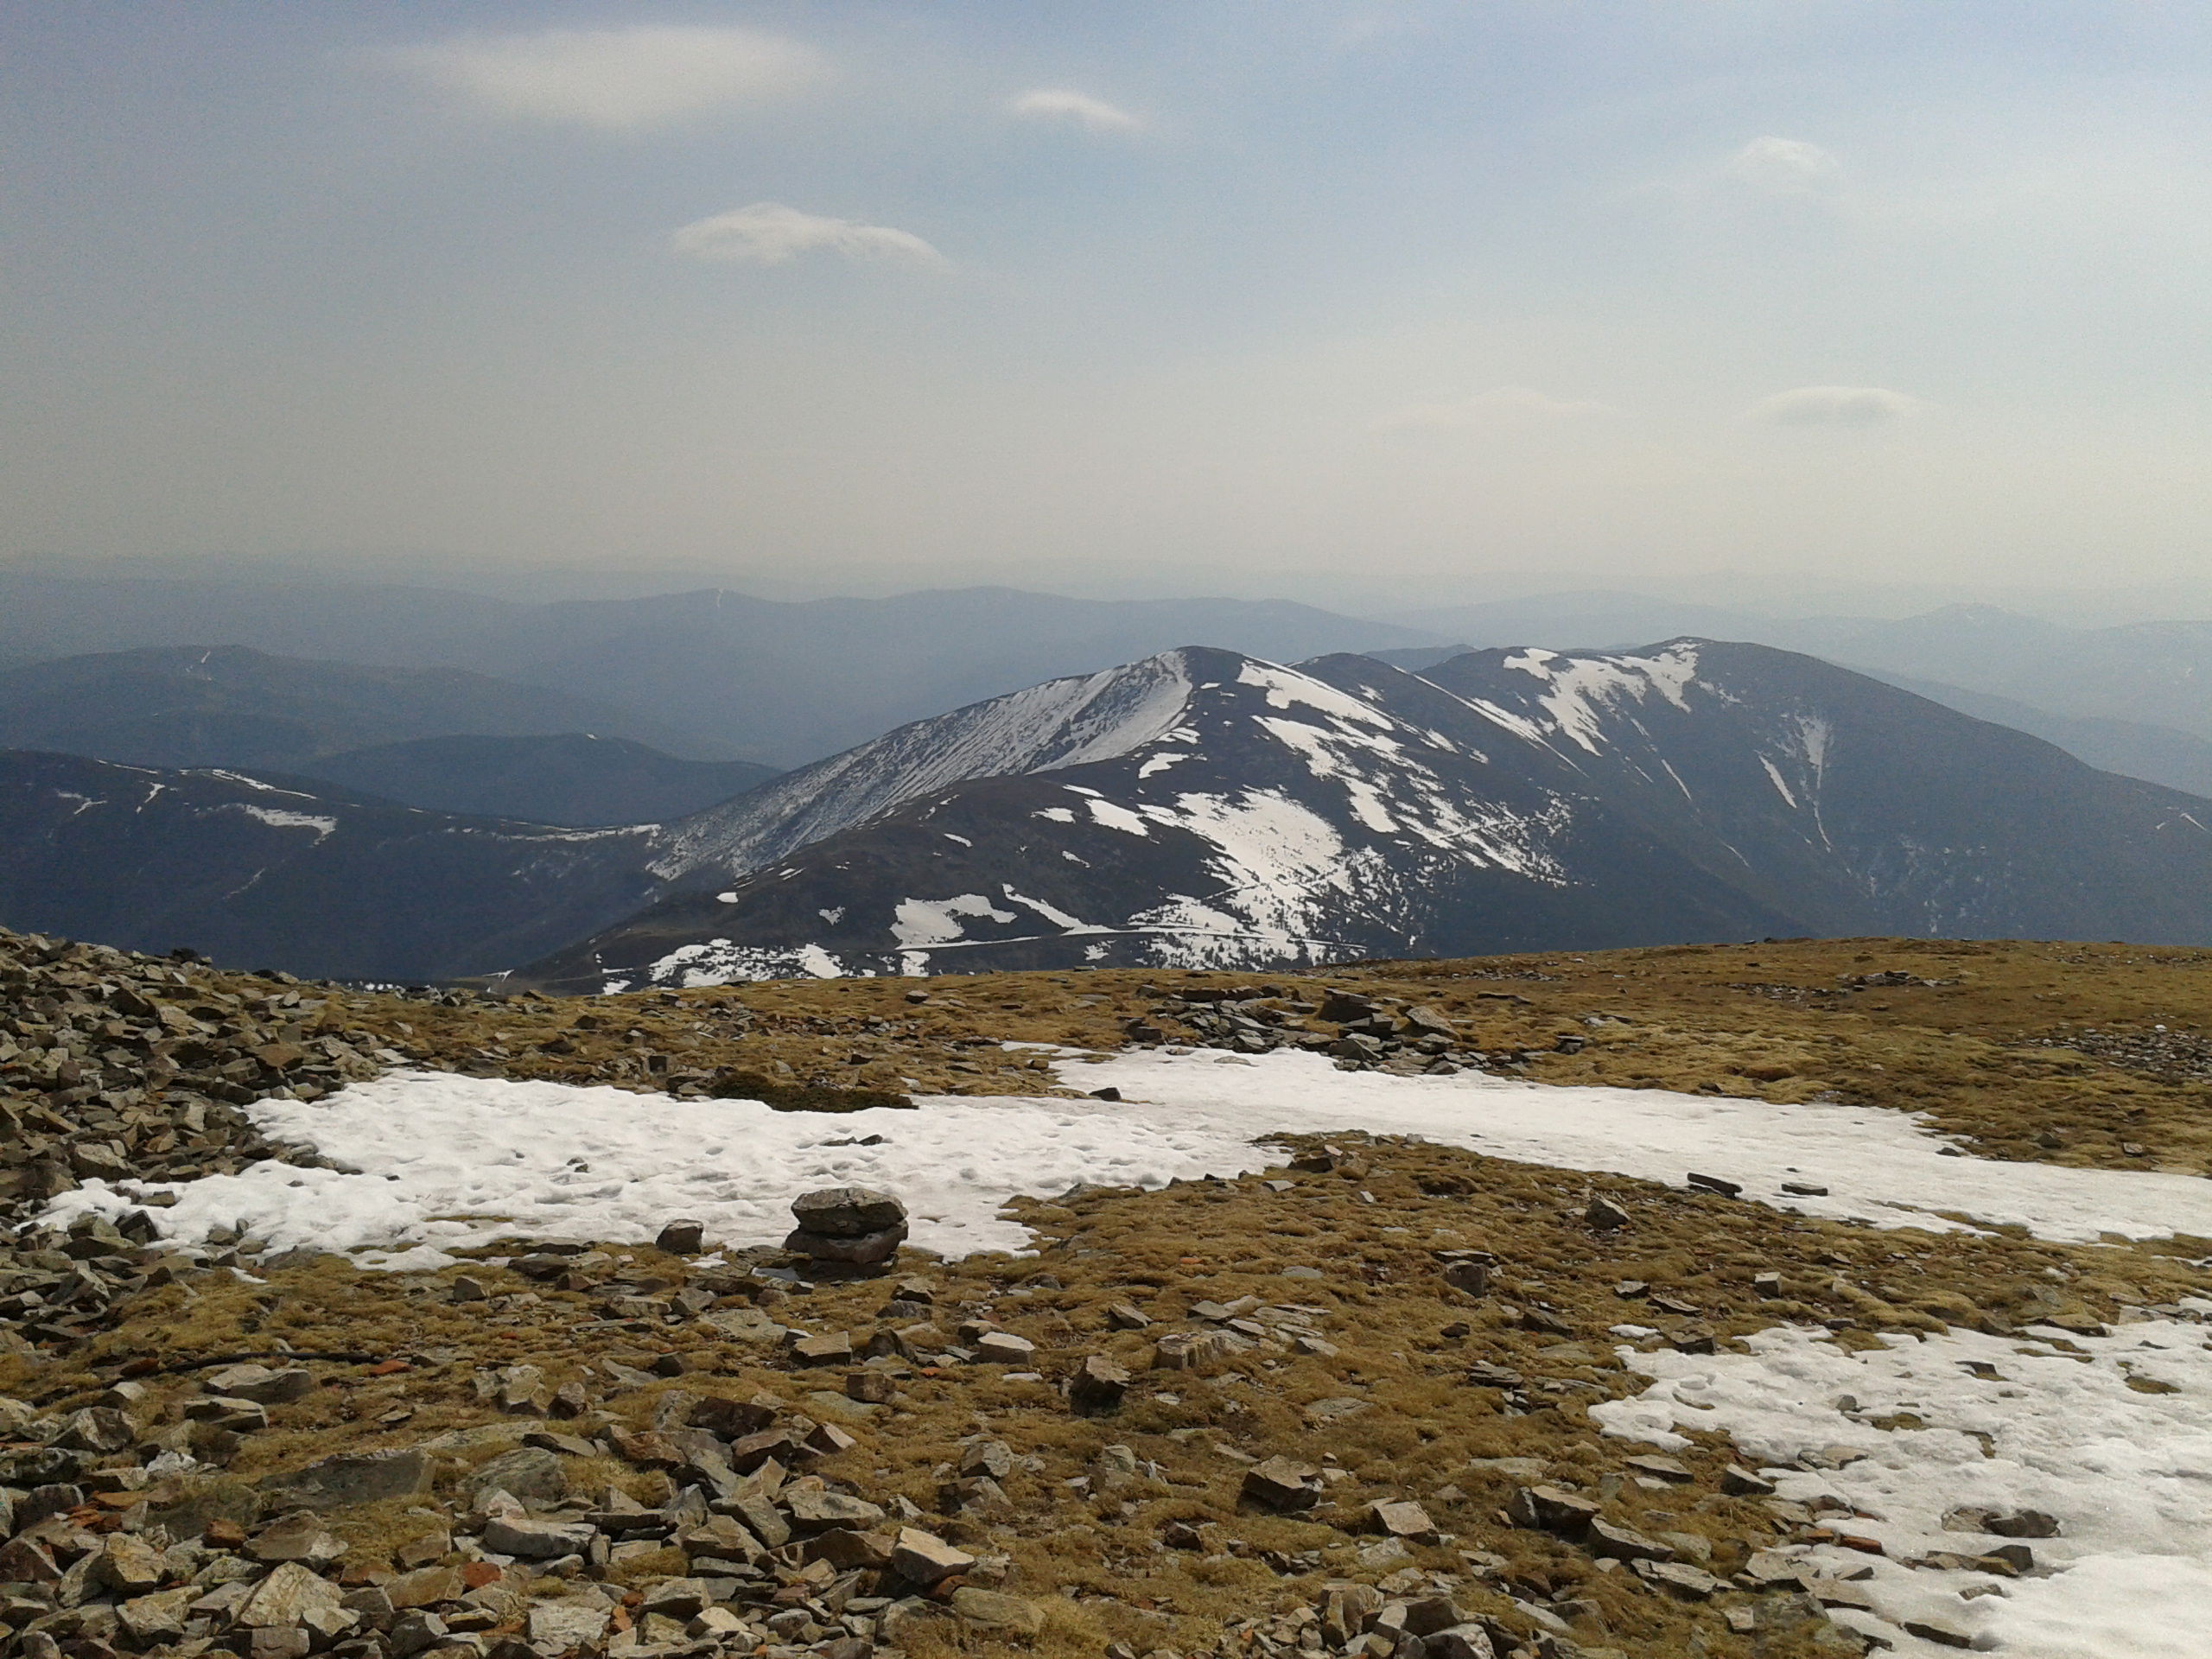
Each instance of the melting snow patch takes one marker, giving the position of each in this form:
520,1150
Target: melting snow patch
1117,817
1286,687
1879,1166
1581,684
454,1159
324,828
1773,777
2127,1475
936,921
450,1160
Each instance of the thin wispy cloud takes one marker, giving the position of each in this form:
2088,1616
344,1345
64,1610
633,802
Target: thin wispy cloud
1499,406
1073,108
1835,406
771,233
1785,166
617,79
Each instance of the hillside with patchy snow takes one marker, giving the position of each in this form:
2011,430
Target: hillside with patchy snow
1205,809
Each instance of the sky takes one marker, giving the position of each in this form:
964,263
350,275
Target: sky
1261,297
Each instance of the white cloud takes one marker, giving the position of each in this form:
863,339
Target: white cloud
1786,167
1834,406
770,233
1077,109
618,78
1499,406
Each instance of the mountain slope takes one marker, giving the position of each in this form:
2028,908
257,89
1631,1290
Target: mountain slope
1853,804
2153,677
1216,810
1205,809
296,875
2157,754
573,778
1062,723
232,706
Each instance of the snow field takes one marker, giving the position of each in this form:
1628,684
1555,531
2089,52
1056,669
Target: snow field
1880,1166
2128,1474
449,1159
436,1162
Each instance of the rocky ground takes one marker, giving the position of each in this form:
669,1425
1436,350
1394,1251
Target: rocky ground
1339,1408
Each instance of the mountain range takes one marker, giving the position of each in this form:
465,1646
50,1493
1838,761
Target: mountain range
290,874
436,737
1204,809
1193,807
715,674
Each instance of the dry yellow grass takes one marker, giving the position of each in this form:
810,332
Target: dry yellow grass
1742,1021
1405,1344
1972,1051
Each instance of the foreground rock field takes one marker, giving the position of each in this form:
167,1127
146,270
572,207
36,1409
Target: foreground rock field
1341,1407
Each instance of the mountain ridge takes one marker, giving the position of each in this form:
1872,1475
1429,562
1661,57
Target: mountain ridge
1693,790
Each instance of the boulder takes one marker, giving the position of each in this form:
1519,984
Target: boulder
1691,1583
299,1537
1739,1482
353,1477
923,1558
97,1429
1282,1483
1625,1543
531,1474
559,1627
1604,1214
261,1385
1097,1385
1004,1348
987,1460
156,1618
1552,1509
537,1541
849,1548
819,1509
1461,1641
128,1566
424,1587
988,1609
285,1597
835,1348
1404,1519
847,1211
857,1250
682,1237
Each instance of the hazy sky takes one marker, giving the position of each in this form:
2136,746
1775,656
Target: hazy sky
1188,295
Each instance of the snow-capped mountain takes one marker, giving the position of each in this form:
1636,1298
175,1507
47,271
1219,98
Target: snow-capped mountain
1060,723
1853,807
298,874
1205,809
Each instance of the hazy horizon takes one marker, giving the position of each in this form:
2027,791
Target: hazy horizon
1327,303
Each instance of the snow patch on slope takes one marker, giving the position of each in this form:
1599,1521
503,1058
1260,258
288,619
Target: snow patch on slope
2027,1428
719,961
937,921
1287,687
324,827
1581,689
